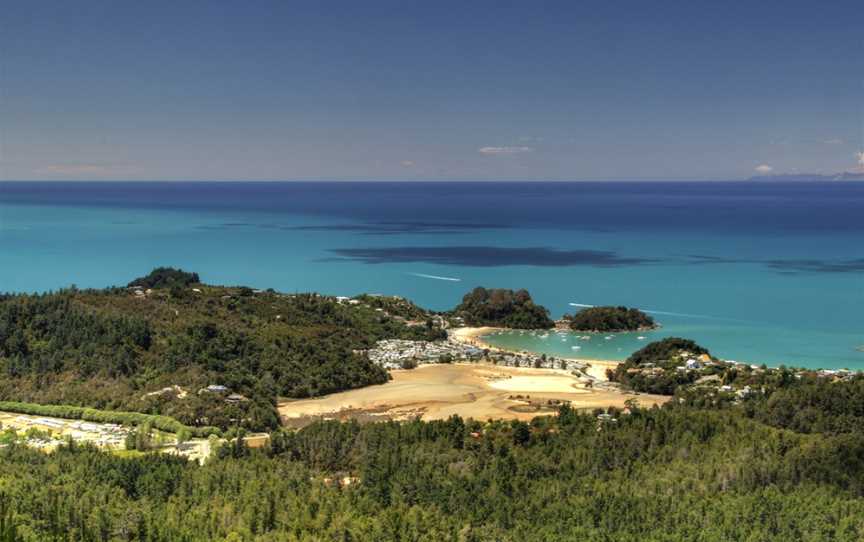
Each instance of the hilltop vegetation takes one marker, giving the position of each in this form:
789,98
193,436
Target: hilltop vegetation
654,368
609,319
165,277
502,308
666,351
127,350
395,306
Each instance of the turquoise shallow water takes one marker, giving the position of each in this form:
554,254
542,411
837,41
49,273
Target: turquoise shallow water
757,273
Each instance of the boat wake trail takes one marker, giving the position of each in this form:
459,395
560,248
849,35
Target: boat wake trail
667,313
435,277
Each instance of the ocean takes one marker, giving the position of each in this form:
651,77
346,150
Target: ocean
759,272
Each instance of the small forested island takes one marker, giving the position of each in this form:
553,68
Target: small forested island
609,320
742,452
502,308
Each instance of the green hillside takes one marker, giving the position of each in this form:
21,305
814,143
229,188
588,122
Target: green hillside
205,355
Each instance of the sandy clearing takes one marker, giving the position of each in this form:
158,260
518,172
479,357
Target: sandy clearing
550,383
597,368
479,391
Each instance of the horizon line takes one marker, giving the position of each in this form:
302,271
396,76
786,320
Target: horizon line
760,179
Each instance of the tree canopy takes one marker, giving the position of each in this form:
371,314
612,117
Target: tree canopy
609,319
165,277
671,474
503,308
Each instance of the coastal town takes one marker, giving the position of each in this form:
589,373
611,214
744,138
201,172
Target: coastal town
404,354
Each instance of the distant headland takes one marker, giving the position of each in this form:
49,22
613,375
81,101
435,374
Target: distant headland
810,177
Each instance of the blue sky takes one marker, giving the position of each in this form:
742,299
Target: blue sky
429,90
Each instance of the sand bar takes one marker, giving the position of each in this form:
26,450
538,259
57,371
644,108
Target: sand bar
471,390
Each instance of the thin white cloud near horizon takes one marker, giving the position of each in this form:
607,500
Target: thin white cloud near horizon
83,169
763,169
493,151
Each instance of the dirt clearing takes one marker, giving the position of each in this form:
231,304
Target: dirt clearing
476,391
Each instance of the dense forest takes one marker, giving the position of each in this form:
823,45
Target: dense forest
673,474
204,355
609,319
502,308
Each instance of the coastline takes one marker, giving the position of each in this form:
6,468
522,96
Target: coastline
597,367
472,335
482,391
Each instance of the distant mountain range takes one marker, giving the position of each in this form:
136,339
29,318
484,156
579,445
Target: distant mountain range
786,177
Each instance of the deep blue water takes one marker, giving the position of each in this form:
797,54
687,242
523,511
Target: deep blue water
763,272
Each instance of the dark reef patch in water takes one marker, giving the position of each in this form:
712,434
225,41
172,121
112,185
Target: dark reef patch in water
488,256
372,228
787,267
401,227
817,266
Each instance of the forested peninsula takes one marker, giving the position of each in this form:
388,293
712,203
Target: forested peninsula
205,355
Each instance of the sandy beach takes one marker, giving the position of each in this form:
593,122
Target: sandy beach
473,336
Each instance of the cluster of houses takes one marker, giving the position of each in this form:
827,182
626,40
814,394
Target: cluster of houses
742,393
216,389
694,363
224,391
138,291
399,353
106,435
834,374
714,369
689,362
